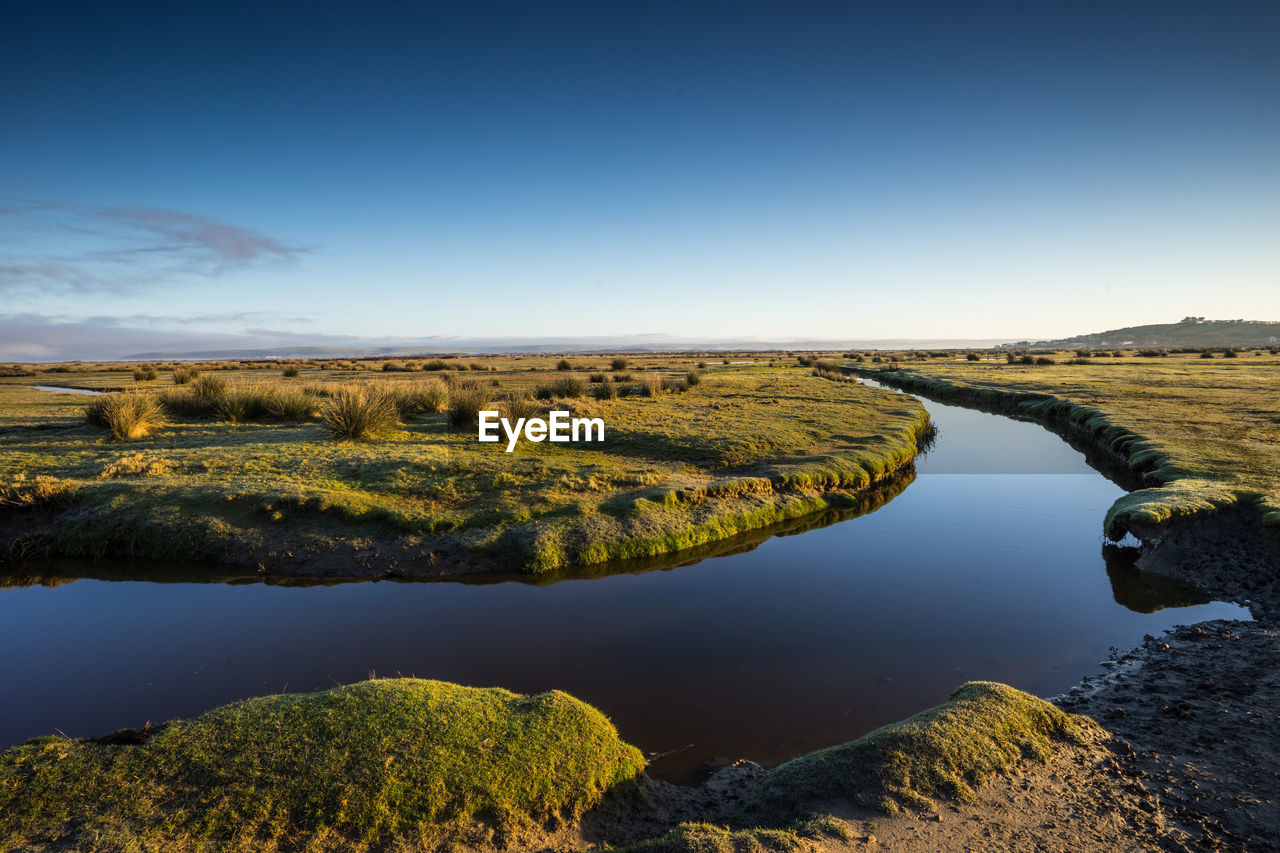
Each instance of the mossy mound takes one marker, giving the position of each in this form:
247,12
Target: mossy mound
355,765
983,729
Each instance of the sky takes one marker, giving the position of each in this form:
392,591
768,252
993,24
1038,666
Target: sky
183,174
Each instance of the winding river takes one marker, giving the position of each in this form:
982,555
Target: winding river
990,565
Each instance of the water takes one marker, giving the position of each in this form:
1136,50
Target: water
990,565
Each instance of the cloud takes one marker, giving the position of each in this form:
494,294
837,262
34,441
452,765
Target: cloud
75,248
42,337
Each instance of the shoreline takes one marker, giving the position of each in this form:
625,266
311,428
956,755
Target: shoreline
1225,550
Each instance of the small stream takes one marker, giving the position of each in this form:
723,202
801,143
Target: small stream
990,565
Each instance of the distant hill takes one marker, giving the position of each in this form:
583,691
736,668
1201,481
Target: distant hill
1189,332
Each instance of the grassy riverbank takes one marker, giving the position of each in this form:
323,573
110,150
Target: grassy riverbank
1204,432
358,765
692,455
410,765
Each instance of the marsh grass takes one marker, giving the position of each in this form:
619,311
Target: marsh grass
652,385
521,406
291,372
563,364
145,374
465,405
360,413
606,391
411,399
129,416
183,375
618,363
754,447
693,377
568,387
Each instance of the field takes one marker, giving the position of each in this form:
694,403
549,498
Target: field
372,468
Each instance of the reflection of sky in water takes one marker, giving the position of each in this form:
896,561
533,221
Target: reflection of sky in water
805,641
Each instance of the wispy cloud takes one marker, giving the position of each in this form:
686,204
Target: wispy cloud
62,246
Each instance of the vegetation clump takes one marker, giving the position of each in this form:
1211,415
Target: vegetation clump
355,766
984,728
360,413
183,375
128,416
465,406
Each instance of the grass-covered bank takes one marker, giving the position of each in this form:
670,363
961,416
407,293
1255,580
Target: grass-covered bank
423,765
356,766
256,479
1203,434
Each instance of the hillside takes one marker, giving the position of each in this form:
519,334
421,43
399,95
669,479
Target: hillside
1188,332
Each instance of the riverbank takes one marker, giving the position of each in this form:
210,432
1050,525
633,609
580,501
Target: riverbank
1198,443
1187,760
692,456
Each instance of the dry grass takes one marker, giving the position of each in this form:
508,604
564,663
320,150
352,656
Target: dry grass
129,416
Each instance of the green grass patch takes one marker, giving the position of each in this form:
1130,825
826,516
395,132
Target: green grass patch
747,447
984,729
353,767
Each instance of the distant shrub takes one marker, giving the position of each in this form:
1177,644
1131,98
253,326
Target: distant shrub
435,364
606,391
16,370
618,363
564,386
652,385
128,416
563,364
1153,353
702,365
1083,353
1081,360
1026,359
145,374
1206,354
597,377
693,377
1230,353
622,377
1044,359
358,413
465,405
291,372
973,356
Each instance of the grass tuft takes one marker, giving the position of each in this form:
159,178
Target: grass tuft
360,413
129,416
465,407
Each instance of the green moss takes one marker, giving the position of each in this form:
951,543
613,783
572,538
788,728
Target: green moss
983,729
362,763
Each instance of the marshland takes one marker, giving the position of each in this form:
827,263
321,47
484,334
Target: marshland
795,573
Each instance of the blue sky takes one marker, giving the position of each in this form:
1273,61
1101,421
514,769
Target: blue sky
309,172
